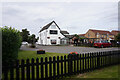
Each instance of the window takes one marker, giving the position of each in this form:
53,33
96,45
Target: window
96,41
106,41
53,41
59,37
88,35
104,36
48,37
53,26
97,35
53,32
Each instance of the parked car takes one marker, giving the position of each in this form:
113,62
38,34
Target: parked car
24,43
102,44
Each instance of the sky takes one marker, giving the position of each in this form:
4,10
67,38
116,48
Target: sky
75,17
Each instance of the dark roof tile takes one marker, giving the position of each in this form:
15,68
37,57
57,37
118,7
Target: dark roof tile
48,25
64,32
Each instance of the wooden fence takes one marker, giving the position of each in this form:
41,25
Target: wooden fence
59,67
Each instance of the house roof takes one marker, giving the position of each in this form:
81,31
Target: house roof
115,32
69,36
64,32
100,31
48,25
81,34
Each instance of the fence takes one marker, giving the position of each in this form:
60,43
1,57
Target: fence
59,67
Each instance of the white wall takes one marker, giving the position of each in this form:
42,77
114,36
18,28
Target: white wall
42,37
46,33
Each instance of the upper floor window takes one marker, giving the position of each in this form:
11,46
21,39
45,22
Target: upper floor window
53,32
53,26
88,35
97,33
104,36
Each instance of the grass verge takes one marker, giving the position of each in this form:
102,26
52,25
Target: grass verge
33,54
107,72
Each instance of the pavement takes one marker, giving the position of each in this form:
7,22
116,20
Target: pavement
68,49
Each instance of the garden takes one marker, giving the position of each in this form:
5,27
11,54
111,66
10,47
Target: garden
108,72
18,64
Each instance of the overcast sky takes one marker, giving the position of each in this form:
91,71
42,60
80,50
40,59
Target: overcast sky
75,17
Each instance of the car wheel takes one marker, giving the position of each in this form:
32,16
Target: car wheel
102,46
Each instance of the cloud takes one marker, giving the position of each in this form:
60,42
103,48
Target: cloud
76,17
60,1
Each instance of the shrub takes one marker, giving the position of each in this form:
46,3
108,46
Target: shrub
40,51
73,53
11,42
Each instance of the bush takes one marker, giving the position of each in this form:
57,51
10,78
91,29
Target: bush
11,42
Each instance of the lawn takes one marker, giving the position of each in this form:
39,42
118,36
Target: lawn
33,54
108,72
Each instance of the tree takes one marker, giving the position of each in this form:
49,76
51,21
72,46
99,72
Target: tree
11,42
76,38
32,39
37,39
25,34
117,38
81,39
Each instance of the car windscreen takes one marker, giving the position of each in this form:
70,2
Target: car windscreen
96,41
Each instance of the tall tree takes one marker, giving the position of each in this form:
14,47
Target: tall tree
25,34
32,39
76,39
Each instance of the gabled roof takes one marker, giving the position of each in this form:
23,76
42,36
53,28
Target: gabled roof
100,31
48,25
115,32
81,34
69,36
64,32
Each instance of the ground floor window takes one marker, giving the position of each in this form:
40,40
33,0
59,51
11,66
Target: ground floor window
53,41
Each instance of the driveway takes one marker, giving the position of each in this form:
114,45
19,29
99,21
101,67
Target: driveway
68,49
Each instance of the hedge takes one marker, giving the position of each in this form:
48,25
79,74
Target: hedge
11,42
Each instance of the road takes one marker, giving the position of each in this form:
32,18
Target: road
68,49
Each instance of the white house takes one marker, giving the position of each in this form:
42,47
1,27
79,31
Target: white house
51,34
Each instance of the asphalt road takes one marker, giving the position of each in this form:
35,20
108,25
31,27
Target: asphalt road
68,49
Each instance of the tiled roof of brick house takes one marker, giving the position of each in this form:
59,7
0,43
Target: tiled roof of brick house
100,31
115,32
81,34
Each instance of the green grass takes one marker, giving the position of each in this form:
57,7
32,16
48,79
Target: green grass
33,54
108,72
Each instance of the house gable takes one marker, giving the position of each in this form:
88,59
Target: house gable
53,26
90,34
48,25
